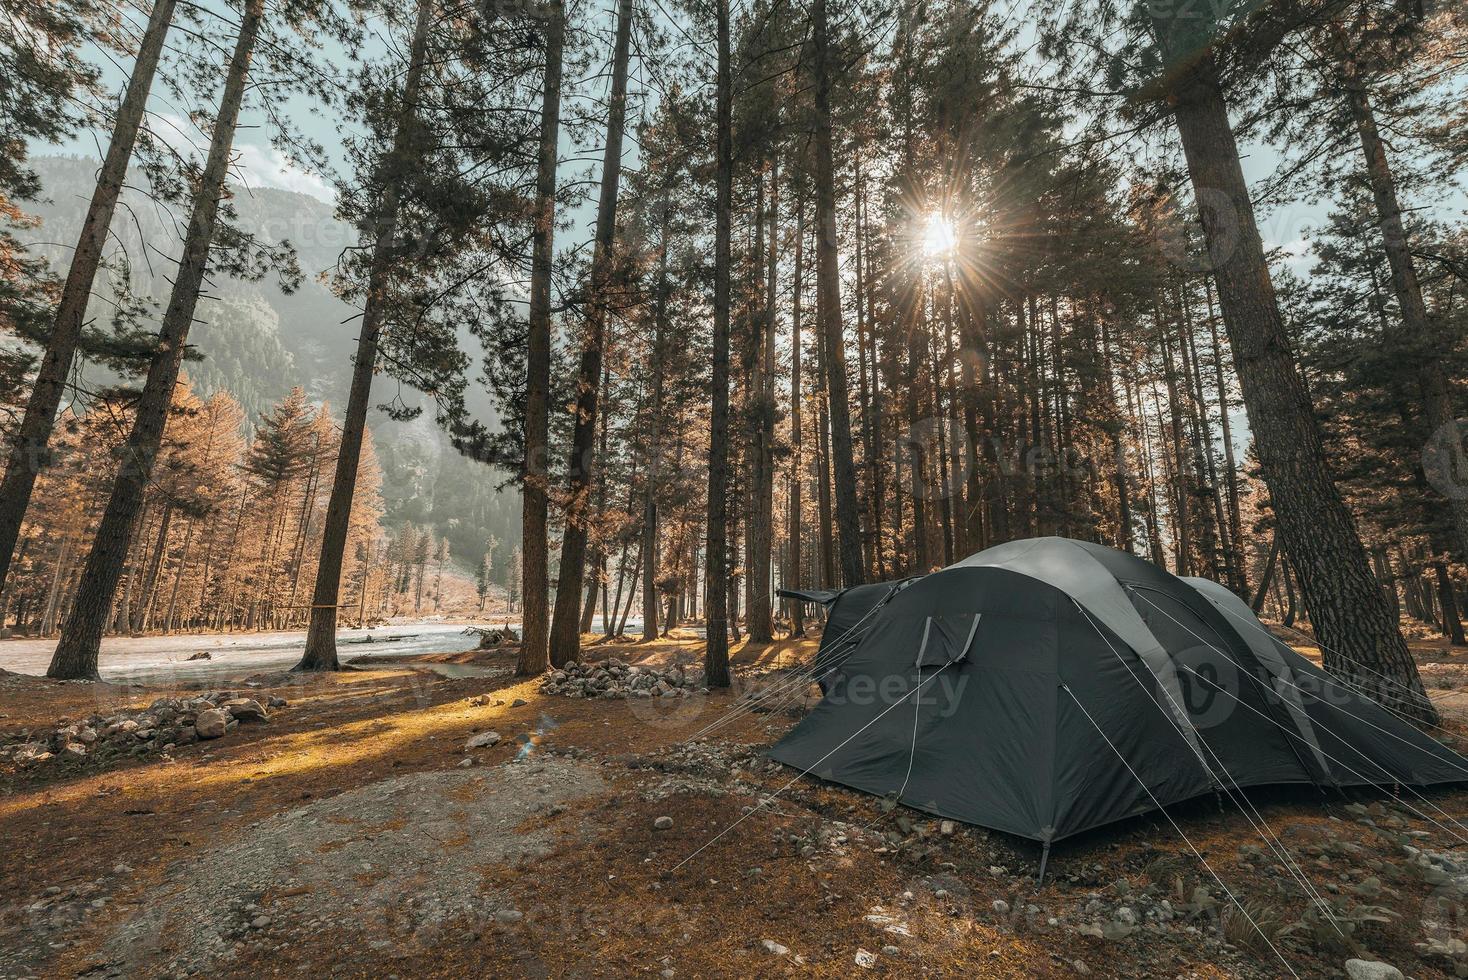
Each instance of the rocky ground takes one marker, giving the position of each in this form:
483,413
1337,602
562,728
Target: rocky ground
618,820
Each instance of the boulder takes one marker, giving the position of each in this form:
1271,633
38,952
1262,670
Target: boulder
482,741
245,709
212,723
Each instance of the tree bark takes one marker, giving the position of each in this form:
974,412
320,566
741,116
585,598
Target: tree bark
565,639
81,637
1360,637
760,621
1452,625
320,653
1421,341
649,548
28,455
535,545
1231,472
797,460
828,310
716,610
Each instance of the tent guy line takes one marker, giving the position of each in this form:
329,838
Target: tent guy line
764,802
1196,853
1271,839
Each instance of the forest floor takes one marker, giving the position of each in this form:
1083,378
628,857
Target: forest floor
355,834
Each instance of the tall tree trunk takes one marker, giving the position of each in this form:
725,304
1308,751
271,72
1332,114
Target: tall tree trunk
797,459
1421,340
826,536
320,651
828,309
178,575
1363,642
1231,471
81,637
1267,574
535,545
760,621
716,609
1452,625
155,568
917,355
565,640
649,552
28,454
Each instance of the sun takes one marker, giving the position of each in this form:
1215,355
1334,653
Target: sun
940,237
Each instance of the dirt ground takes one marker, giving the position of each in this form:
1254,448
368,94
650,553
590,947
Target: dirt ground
354,834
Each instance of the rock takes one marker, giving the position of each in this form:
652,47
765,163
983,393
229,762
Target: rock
774,948
508,917
482,741
202,655
947,828
663,823
519,703
260,922
1126,916
212,723
864,959
466,762
74,750
275,702
1001,906
245,709
1372,970
1080,967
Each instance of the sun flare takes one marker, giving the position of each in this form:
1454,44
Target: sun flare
940,238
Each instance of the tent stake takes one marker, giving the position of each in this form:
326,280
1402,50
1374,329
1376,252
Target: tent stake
1044,860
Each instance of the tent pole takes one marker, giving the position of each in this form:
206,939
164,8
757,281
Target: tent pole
1044,860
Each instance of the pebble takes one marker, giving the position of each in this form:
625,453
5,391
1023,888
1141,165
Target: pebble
508,917
663,823
774,948
1001,906
260,922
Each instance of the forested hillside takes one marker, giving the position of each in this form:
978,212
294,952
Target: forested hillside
256,342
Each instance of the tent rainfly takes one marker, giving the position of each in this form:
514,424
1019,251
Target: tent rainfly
1046,687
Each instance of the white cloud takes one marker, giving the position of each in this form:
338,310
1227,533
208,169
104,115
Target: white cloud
266,167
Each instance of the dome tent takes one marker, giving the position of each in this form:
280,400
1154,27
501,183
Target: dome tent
1046,687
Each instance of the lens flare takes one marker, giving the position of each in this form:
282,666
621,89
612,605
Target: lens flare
940,238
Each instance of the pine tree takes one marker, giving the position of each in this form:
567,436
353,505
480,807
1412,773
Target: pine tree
76,654
48,80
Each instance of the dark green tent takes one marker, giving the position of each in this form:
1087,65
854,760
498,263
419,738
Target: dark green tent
1045,687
